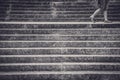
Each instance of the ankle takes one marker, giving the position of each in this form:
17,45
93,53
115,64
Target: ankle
92,16
106,20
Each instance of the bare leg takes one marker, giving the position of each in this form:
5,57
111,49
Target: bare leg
94,14
106,16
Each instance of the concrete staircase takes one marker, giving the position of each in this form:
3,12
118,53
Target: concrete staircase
53,10
58,51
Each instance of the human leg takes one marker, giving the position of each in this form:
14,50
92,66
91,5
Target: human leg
94,14
106,16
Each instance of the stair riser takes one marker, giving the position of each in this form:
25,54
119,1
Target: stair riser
61,26
61,32
58,59
59,68
61,52
61,38
58,44
61,77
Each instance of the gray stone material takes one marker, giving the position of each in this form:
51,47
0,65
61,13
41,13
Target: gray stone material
89,51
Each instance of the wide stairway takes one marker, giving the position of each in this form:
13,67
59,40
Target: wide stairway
53,10
55,40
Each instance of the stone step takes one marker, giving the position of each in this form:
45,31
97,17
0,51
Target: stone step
59,26
57,15
50,5
52,19
85,51
58,59
59,9
54,67
58,12
54,5
61,76
55,19
58,6
57,44
57,37
61,32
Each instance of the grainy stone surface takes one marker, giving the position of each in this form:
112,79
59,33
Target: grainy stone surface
58,51
53,10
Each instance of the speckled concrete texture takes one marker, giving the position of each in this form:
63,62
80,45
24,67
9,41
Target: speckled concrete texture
58,51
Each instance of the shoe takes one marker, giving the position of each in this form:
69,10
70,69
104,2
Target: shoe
92,19
107,21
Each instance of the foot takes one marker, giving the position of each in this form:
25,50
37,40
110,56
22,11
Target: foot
107,21
92,19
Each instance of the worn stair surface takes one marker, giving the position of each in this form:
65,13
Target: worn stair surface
59,52
34,47
54,10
